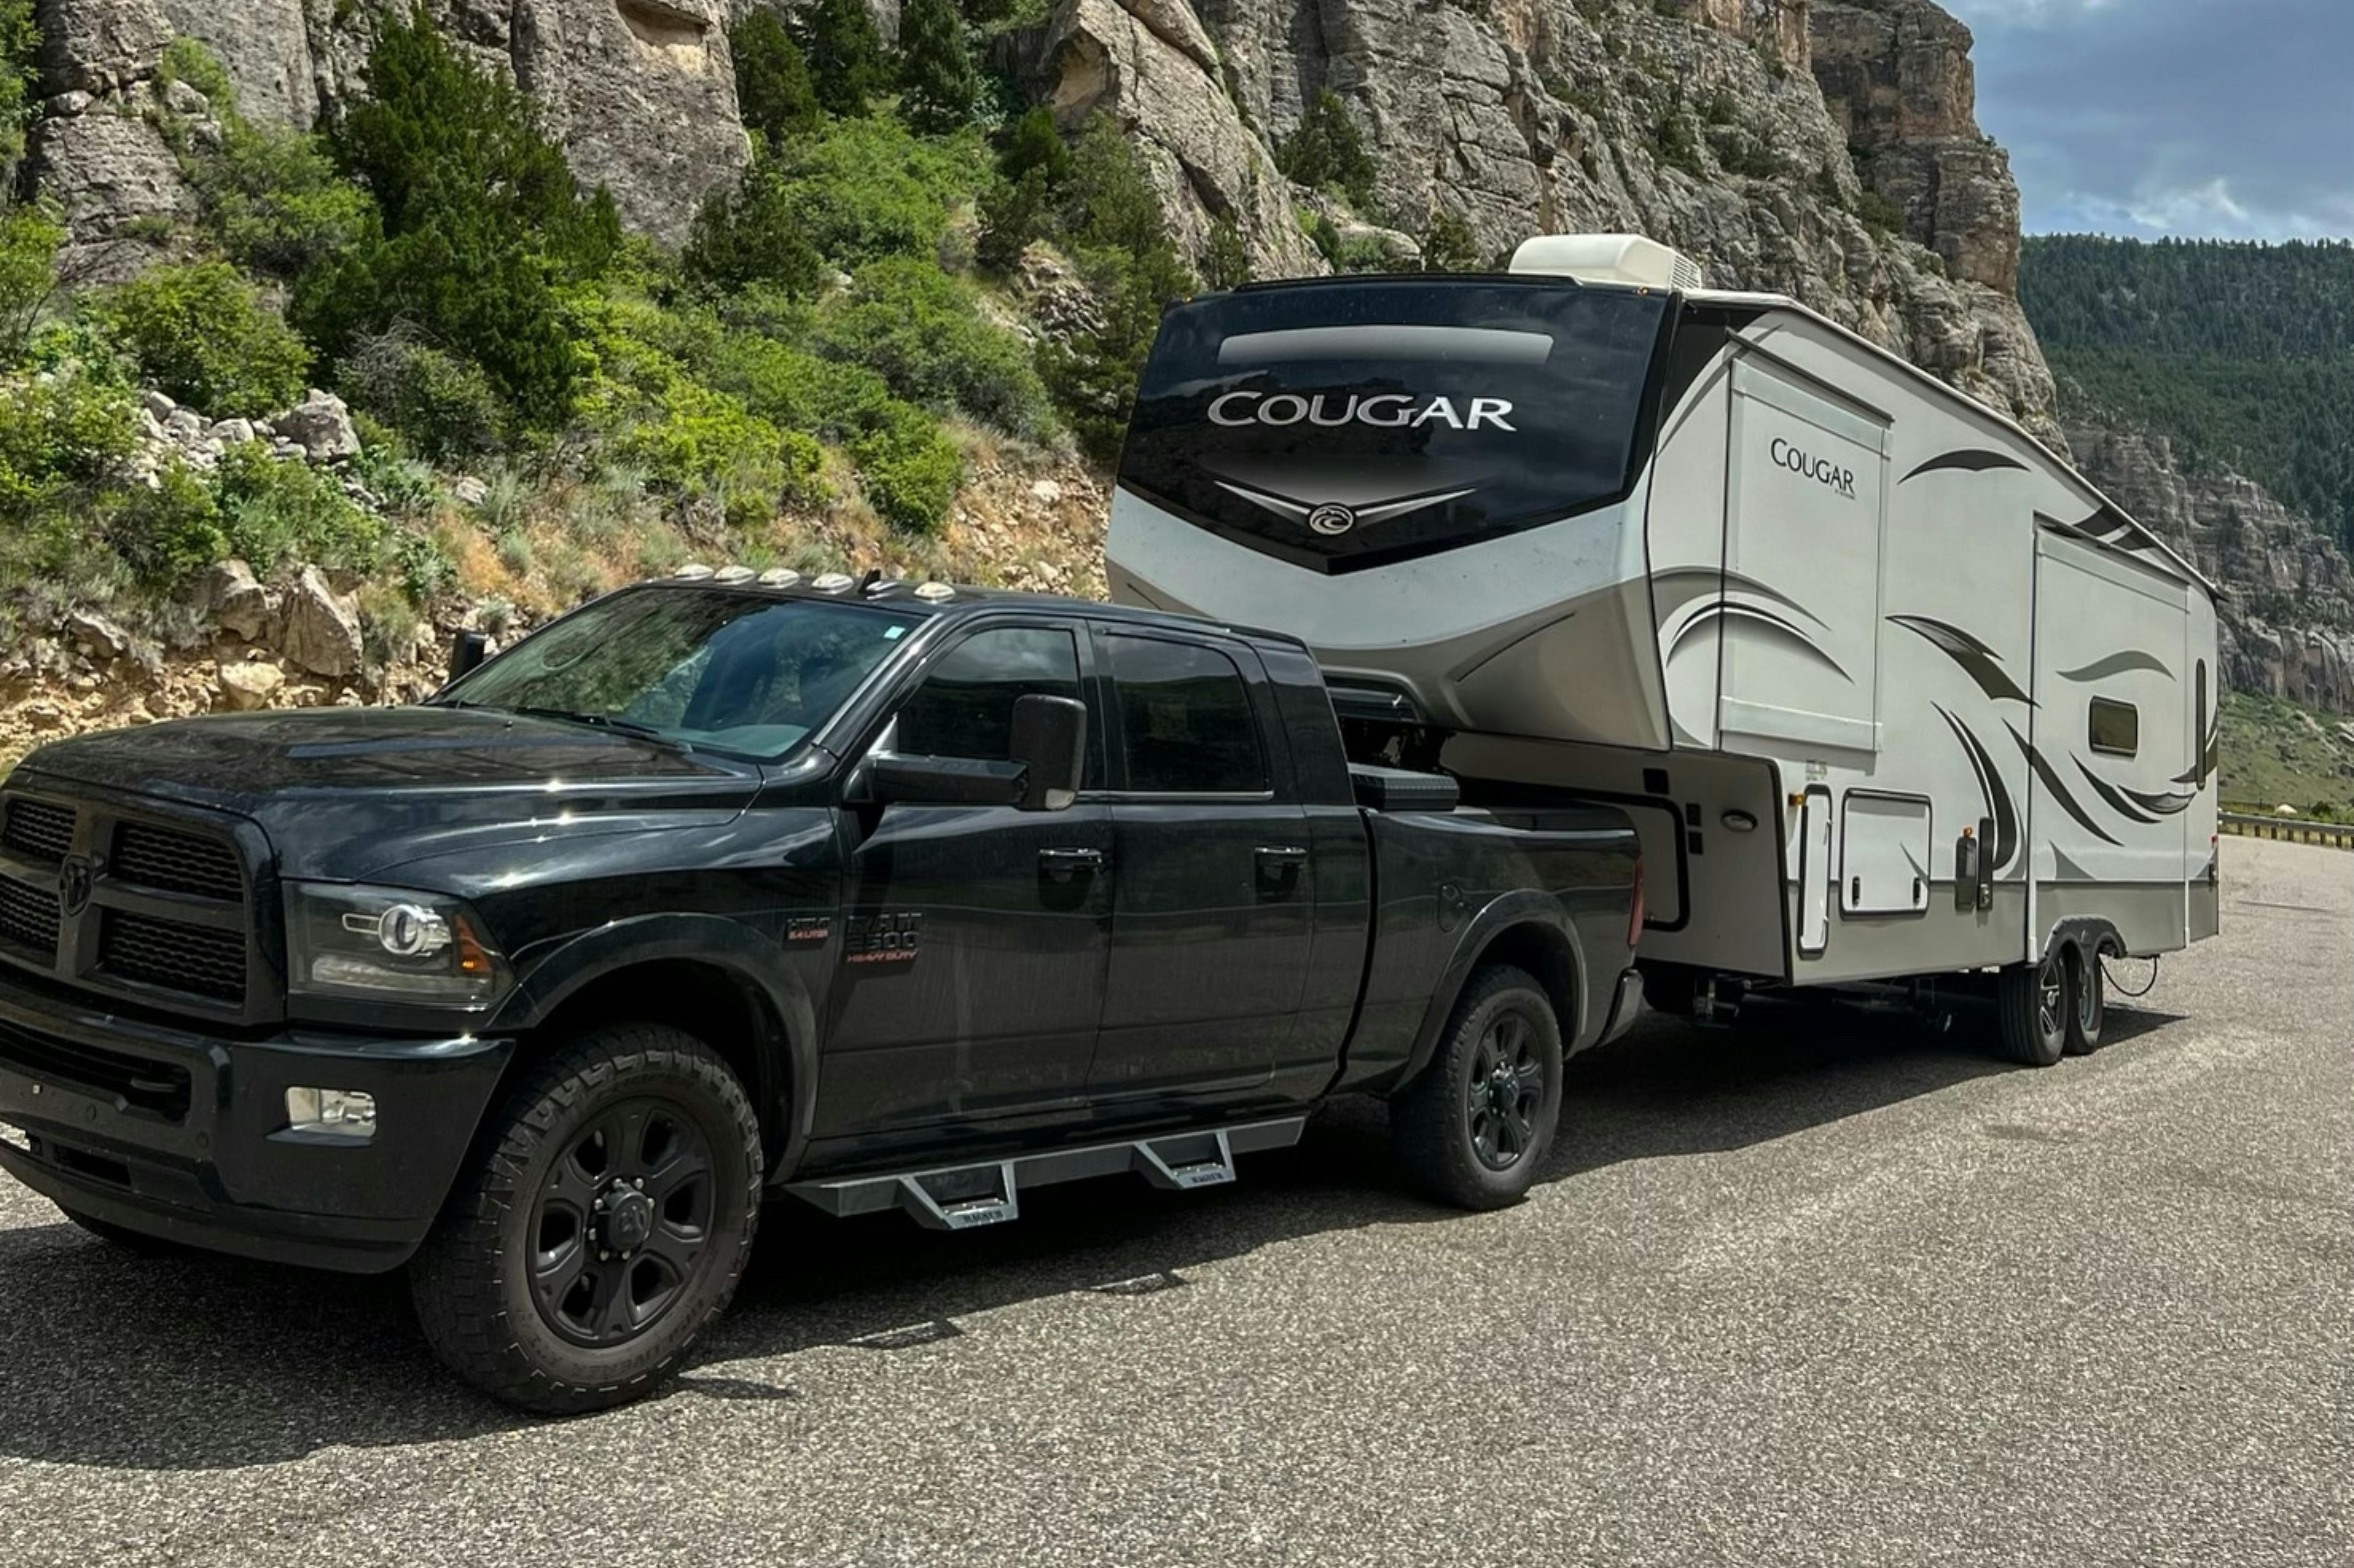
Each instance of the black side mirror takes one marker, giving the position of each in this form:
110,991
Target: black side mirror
467,652
1050,742
944,781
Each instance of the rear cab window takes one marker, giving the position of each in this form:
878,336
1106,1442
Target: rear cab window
1186,725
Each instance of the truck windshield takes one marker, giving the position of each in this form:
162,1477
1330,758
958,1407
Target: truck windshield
1348,425
736,671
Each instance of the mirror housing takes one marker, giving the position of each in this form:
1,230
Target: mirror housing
944,781
467,651
1050,742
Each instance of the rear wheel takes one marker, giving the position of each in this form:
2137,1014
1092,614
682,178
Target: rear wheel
603,1225
2090,1008
1475,1126
2031,1008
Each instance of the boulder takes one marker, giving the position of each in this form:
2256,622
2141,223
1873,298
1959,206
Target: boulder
232,432
322,426
248,684
95,632
320,631
236,601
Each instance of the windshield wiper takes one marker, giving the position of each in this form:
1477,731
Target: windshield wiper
598,721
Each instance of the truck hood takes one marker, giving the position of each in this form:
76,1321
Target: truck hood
345,792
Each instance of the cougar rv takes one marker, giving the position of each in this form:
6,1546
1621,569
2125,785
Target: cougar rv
1893,693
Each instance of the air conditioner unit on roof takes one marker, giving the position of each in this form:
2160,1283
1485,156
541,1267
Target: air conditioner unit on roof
1608,258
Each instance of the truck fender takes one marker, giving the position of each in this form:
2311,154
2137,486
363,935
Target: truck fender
556,973
1508,912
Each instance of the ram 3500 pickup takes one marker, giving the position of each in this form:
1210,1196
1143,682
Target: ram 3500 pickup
718,889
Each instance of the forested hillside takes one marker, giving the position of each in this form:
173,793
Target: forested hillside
2242,353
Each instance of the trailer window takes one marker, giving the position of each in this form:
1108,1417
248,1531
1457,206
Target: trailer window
1186,720
2116,728
1354,424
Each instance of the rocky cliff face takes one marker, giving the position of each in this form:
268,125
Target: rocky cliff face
640,93
1826,151
2288,617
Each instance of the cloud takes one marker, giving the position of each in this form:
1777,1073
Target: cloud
2187,117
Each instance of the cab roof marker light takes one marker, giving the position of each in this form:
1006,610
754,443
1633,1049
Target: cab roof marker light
732,574
833,582
693,572
934,593
780,577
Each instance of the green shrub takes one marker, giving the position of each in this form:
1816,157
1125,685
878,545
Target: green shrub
273,201
1226,260
938,83
202,333
483,228
773,80
1034,141
1879,213
442,406
30,236
845,56
59,432
171,532
185,59
20,77
795,389
1449,245
908,468
752,234
273,512
1325,151
922,332
871,188
1013,213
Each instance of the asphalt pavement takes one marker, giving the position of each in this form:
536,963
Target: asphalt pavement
1810,1290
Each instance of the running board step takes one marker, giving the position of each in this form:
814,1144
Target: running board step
966,1197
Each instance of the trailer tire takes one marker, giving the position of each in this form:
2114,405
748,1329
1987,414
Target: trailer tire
1475,1126
2031,1008
2088,1005
602,1227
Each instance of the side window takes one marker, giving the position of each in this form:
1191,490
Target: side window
965,706
2116,728
1186,719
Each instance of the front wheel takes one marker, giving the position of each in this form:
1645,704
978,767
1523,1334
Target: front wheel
1475,1126
602,1227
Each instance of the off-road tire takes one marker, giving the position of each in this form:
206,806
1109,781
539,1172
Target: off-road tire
2088,1004
1432,1120
2032,1022
471,1280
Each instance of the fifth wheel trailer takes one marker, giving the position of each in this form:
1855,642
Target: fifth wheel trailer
1890,690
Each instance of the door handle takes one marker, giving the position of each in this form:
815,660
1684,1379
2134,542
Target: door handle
1067,862
1282,854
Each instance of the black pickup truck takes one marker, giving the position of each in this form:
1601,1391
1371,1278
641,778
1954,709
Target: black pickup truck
875,895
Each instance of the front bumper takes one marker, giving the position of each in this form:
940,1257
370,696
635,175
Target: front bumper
174,1133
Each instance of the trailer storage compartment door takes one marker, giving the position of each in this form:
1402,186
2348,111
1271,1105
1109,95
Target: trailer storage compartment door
1801,608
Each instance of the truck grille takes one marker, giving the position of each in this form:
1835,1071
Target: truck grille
156,1086
177,862
28,918
128,901
38,831
194,958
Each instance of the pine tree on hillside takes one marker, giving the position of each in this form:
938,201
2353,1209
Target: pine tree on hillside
844,54
773,90
938,82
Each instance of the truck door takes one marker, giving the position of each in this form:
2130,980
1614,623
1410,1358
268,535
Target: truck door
1214,906
973,954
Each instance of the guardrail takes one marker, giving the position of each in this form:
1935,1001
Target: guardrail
2293,830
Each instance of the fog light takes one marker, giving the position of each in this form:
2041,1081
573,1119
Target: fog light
344,1114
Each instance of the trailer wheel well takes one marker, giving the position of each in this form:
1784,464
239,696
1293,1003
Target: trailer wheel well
714,1005
1545,953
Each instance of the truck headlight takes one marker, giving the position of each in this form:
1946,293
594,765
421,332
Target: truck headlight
384,944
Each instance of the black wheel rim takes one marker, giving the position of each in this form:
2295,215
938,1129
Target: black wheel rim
1506,1087
621,1222
2050,996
